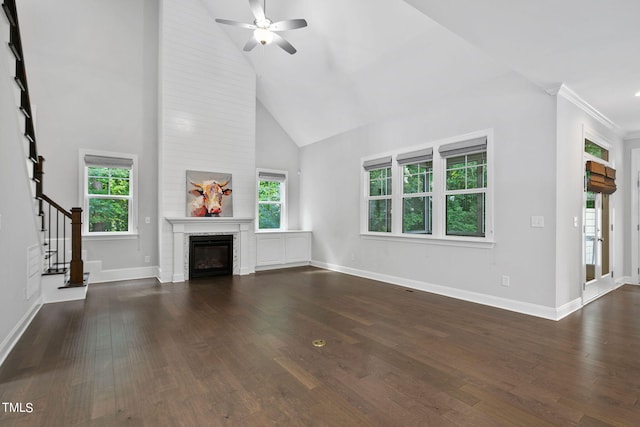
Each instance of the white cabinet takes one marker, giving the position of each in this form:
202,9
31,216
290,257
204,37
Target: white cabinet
280,249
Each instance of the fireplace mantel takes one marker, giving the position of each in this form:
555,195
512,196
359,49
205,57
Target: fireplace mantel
184,226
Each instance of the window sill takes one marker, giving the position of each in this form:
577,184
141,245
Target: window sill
465,242
110,236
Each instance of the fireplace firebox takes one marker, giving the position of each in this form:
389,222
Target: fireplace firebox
210,256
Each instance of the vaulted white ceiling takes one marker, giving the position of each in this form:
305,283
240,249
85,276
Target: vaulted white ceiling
360,61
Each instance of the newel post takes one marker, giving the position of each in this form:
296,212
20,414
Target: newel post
77,268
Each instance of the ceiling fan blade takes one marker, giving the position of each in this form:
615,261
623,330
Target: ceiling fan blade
257,10
236,23
289,24
288,47
251,43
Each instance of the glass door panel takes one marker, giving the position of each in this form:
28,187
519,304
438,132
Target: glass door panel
605,235
597,246
590,237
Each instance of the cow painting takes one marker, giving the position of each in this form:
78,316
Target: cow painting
207,196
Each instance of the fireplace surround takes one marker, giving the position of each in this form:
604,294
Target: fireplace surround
240,228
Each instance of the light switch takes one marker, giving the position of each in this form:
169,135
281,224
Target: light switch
147,220
537,221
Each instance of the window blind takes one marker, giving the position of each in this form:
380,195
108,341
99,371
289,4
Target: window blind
271,176
109,162
463,147
600,178
382,162
424,155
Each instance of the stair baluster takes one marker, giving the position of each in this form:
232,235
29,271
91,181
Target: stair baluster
56,259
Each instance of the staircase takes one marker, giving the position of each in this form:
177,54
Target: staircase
63,276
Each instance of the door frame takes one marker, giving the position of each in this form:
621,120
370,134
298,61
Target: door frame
634,186
595,137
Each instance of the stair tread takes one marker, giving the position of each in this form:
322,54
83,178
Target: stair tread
51,272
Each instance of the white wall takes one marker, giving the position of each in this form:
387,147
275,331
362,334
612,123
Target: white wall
523,120
207,113
92,70
17,211
632,209
276,150
572,121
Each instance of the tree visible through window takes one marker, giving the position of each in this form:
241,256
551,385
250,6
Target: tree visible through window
441,191
416,202
271,198
380,200
108,193
596,150
466,194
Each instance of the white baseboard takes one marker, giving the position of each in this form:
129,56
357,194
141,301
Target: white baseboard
163,277
101,276
279,266
616,284
180,277
625,280
14,336
544,312
246,271
568,308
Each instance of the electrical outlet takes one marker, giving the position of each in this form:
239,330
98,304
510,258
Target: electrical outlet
147,258
506,281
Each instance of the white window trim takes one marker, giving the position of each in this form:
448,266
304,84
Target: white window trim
446,193
369,198
84,199
284,223
438,236
404,196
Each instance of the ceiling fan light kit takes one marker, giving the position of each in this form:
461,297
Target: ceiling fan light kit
264,30
263,35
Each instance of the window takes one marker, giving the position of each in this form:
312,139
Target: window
108,194
417,188
271,200
465,189
379,194
596,150
441,191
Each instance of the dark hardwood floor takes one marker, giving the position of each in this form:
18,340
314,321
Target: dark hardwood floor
238,351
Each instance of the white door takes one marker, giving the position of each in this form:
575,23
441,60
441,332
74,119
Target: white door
597,246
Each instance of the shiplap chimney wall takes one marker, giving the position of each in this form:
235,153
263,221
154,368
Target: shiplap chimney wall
207,113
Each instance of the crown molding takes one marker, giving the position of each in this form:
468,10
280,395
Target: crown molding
553,90
632,135
568,94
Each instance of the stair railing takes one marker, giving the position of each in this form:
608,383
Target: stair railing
58,224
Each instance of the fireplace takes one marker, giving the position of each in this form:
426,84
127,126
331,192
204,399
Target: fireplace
182,228
210,255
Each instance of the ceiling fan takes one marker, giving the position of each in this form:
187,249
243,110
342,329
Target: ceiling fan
264,30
